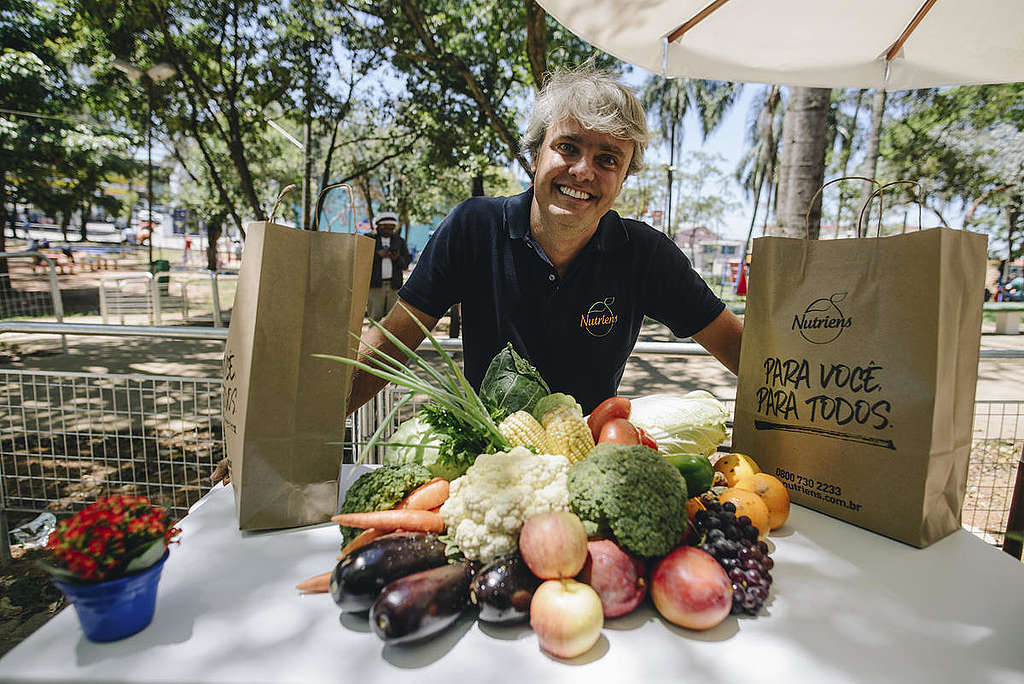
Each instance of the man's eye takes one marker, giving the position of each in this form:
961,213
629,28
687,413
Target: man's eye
608,160
564,147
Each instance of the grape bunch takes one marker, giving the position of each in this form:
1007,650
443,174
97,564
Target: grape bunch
733,543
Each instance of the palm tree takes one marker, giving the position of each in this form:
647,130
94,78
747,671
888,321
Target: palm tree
760,161
802,168
669,100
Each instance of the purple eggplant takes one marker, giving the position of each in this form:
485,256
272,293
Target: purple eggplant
422,604
503,590
360,575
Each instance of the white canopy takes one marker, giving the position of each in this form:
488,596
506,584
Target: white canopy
824,43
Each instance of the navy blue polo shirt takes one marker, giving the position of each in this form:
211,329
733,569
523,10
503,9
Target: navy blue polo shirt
577,329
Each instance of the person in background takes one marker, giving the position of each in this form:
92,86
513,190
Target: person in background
187,250
1015,290
390,259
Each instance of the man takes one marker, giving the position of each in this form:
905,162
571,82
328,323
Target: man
554,270
390,259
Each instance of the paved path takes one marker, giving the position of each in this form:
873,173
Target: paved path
998,379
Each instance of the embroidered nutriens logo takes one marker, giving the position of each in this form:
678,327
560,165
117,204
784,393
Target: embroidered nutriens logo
822,321
599,318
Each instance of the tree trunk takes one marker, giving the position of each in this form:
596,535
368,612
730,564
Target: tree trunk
871,151
236,150
803,161
478,185
84,229
536,42
5,278
307,149
845,157
214,228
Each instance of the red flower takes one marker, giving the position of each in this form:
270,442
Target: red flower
92,543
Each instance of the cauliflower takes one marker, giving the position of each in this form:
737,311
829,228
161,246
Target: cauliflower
489,504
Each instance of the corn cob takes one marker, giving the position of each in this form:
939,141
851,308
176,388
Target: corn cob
568,435
522,429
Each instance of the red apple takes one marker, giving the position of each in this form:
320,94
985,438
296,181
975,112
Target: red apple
567,617
553,544
616,576
691,589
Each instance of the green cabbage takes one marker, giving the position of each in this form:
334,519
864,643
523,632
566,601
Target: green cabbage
511,384
693,423
414,441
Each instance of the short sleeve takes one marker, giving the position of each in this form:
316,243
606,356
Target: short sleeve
433,286
675,294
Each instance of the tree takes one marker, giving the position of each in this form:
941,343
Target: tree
705,193
802,169
759,164
966,146
669,100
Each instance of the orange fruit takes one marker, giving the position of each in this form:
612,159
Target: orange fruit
749,504
693,504
735,467
772,492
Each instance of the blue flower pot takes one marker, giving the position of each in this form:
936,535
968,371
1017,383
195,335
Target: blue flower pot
113,610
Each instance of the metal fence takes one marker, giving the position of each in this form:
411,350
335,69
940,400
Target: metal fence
153,298
68,438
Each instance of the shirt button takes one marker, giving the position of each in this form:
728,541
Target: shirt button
551,277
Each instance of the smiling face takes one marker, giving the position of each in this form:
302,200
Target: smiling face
577,176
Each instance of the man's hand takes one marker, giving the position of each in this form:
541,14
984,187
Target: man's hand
222,473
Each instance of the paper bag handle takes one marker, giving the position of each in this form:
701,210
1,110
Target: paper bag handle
807,216
880,193
284,191
320,204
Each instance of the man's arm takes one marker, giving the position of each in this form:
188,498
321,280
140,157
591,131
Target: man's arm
722,338
400,323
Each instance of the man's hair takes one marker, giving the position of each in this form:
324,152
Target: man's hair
594,99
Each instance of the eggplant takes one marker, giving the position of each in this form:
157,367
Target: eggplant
503,590
360,575
422,604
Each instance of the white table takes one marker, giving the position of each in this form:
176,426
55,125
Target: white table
847,606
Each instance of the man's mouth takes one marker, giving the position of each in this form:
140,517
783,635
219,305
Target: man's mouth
575,194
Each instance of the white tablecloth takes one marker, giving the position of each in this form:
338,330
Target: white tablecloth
847,606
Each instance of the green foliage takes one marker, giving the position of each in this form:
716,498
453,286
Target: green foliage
966,146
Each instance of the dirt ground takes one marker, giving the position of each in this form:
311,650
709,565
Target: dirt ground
28,599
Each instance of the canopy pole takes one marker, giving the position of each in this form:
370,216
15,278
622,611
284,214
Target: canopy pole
697,18
898,45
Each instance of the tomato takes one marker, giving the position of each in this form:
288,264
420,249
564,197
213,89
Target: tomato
612,407
619,431
646,439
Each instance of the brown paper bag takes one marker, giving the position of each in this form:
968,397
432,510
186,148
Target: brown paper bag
299,293
857,375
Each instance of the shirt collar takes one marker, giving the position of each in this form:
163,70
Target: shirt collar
611,232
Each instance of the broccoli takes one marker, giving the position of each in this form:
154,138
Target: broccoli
381,489
631,494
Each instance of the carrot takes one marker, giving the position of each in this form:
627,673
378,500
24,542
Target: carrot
315,585
406,519
361,540
426,496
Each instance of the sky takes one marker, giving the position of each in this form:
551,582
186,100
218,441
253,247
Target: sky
728,141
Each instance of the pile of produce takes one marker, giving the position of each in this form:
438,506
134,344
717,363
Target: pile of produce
513,505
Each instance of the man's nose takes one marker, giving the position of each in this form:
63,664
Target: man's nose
583,169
